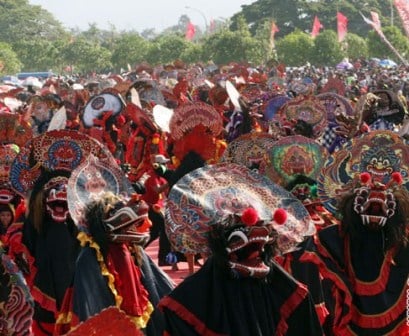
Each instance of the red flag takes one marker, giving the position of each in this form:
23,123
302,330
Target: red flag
403,10
274,29
316,26
342,23
190,31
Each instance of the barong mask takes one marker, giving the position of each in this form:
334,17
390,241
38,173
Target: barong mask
56,198
127,221
110,208
250,243
375,202
366,184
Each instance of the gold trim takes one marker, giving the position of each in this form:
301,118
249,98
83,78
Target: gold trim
84,240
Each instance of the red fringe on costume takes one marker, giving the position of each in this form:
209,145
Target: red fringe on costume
289,307
44,300
374,287
17,250
186,315
341,318
381,320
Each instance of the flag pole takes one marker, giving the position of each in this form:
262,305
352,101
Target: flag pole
384,39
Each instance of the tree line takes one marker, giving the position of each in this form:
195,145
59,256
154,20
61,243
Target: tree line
31,39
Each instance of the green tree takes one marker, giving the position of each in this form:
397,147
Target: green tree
149,34
227,46
9,62
263,35
356,46
295,49
92,34
38,55
86,57
32,32
291,15
378,48
20,21
327,50
192,54
129,48
167,48
284,12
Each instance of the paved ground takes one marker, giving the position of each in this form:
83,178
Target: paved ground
178,275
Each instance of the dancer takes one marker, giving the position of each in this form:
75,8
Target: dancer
241,220
111,269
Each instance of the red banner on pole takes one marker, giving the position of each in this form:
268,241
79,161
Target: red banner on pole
403,10
190,31
376,21
342,26
316,26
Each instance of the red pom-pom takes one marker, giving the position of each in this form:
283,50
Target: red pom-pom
365,178
249,217
280,216
397,177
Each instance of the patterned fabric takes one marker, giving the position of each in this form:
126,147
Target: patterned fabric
249,150
335,104
189,115
110,321
306,108
13,129
329,138
335,85
382,124
8,152
295,155
54,150
274,105
16,304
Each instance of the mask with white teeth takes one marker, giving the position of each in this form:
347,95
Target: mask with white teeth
374,201
250,242
56,199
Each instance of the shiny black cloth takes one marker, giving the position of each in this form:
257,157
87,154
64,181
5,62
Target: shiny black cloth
210,303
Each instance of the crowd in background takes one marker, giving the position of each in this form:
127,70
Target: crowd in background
165,124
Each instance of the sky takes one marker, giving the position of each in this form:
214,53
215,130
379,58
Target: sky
138,14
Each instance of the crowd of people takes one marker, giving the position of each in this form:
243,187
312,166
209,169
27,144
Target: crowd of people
290,185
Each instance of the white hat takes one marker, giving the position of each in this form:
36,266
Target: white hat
161,159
